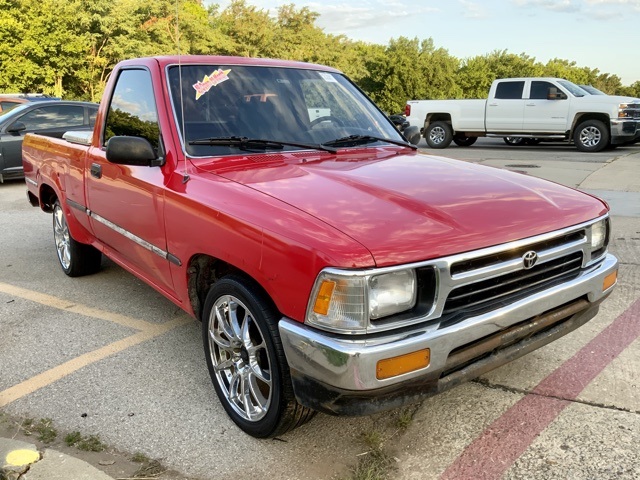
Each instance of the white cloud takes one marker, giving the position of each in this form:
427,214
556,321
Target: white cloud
473,10
553,5
345,16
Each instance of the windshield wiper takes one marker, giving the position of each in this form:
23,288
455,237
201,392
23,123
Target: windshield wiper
257,143
353,140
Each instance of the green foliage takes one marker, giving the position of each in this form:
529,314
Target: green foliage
69,49
43,428
92,443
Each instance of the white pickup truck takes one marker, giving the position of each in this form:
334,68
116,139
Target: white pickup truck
530,108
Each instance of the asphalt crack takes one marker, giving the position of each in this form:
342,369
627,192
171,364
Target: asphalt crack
493,386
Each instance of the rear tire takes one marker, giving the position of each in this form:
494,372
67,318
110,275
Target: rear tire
76,259
439,135
513,141
591,136
463,141
246,360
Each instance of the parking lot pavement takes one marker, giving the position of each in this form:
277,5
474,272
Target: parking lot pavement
106,355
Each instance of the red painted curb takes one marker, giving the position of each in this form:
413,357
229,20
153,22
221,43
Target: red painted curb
506,439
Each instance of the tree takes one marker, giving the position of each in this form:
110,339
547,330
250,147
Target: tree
476,74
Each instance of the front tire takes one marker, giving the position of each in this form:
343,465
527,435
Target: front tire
76,259
246,360
591,136
439,135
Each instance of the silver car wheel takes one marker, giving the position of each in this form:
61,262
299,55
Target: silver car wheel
240,359
590,136
61,237
437,135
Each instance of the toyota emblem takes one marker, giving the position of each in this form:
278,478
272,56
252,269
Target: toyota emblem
529,259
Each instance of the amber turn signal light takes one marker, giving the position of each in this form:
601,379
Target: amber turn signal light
394,366
323,298
609,280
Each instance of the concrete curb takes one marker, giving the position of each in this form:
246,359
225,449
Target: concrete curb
22,460
621,174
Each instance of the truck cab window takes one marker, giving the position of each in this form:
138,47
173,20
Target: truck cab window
133,111
510,90
540,90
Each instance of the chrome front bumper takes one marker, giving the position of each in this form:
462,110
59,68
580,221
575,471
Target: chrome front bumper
337,374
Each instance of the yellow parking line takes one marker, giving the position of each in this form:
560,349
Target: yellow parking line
54,374
80,309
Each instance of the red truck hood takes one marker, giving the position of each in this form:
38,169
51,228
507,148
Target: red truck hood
412,207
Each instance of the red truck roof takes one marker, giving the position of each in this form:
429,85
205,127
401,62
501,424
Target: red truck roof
163,61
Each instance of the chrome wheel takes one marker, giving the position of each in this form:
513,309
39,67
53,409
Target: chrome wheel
240,359
590,136
61,237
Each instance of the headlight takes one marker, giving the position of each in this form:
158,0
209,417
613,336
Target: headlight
392,293
346,301
599,235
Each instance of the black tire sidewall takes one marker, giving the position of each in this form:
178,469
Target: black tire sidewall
463,141
265,318
83,259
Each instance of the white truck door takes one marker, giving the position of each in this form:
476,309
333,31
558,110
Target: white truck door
546,109
505,111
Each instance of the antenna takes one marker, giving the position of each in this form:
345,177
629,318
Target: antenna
185,175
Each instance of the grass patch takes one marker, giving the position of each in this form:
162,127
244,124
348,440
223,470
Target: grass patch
140,458
91,443
149,470
43,428
72,438
374,464
404,419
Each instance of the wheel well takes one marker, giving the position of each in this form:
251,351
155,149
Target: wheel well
581,117
437,117
47,198
203,271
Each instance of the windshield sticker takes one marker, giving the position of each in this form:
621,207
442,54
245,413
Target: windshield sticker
328,77
216,78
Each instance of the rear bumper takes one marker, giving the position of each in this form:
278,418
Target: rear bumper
337,374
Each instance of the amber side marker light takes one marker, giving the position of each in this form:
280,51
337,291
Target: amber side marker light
392,367
323,298
609,280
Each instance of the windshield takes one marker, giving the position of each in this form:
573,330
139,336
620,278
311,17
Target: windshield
574,89
592,90
270,103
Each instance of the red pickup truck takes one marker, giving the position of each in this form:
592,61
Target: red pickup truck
334,268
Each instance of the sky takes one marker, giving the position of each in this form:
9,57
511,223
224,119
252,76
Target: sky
599,34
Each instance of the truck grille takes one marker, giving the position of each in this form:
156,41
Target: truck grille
486,295
474,283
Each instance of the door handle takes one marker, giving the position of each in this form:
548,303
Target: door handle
531,104
96,170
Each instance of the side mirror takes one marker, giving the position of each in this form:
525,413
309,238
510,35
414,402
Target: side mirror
554,94
132,151
17,127
412,134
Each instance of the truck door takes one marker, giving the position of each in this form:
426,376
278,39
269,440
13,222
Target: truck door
505,111
127,202
547,108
